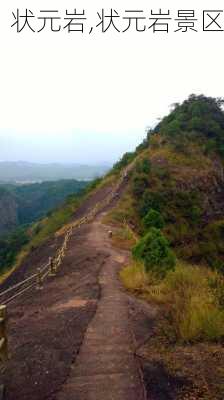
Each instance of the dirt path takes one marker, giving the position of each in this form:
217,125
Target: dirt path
82,337
46,327
106,367
74,338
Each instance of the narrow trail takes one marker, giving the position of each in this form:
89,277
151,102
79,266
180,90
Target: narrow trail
106,367
75,338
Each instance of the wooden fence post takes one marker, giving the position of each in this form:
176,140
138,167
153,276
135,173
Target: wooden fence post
59,261
52,267
3,334
39,279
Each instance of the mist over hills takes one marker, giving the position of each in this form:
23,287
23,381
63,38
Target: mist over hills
26,172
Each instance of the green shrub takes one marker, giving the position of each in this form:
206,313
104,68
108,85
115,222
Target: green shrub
11,245
210,146
153,219
153,249
143,166
139,184
188,203
155,200
161,172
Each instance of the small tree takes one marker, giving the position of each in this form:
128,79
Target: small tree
153,219
149,199
143,166
153,249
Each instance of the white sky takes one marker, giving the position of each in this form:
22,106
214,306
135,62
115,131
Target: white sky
68,97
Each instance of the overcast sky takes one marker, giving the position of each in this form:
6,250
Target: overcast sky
88,98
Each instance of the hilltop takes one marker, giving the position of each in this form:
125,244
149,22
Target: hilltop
179,173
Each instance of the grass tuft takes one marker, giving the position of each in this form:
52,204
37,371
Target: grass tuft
192,306
134,277
191,297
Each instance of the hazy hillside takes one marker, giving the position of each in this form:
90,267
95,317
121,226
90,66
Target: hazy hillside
24,204
50,203
179,174
25,172
8,211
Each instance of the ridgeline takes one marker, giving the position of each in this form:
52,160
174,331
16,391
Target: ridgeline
156,227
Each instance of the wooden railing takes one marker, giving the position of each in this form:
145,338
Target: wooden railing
51,268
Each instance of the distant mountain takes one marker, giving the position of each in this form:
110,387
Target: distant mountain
26,172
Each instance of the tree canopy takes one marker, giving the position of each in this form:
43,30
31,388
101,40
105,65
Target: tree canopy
199,116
